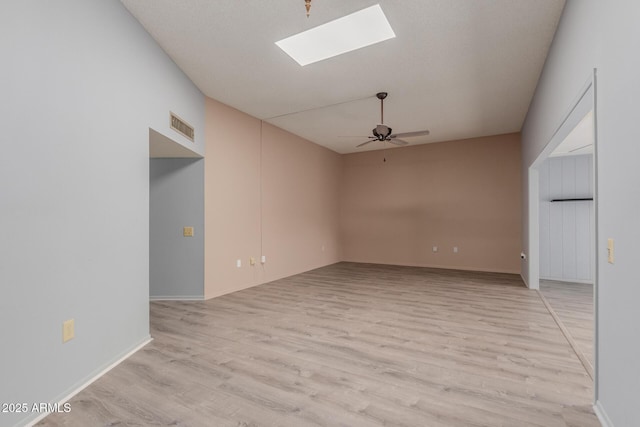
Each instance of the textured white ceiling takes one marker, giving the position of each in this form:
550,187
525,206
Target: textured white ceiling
460,68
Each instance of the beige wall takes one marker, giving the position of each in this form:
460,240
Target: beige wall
459,193
301,196
275,196
304,206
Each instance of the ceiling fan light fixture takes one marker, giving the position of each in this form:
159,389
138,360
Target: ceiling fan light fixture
382,132
355,31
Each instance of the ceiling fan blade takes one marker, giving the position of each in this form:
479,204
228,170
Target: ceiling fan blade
354,136
397,141
410,134
365,143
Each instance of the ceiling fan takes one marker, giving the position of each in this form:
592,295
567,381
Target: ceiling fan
384,133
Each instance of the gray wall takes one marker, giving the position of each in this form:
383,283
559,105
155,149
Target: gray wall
566,228
82,83
176,263
602,35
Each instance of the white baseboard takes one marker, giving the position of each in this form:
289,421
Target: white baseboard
176,298
602,415
438,266
553,279
91,380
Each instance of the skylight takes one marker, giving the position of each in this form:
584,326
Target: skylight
355,31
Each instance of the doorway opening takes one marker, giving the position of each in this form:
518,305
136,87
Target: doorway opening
176,220
567,237
563,227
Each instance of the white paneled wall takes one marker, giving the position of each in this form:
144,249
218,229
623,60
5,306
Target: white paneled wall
566,228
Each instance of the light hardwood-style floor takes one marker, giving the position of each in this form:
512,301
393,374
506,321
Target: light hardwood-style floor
349,345
573,303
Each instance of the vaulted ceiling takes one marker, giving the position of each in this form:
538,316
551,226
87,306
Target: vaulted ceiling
459,68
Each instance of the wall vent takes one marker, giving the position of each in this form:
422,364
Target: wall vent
182,127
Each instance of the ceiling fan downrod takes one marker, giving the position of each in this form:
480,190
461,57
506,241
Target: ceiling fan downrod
381,96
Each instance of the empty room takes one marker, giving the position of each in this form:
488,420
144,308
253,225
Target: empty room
319,213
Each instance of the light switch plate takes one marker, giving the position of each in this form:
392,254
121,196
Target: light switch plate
610,251
187,231
68,330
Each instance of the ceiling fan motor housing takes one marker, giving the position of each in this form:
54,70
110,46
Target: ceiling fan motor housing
382,132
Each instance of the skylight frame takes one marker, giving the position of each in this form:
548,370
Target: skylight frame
355,31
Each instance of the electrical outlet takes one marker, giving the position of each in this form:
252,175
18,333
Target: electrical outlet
68,330
435,249
263,259
455,249
239,263
187,231
252,261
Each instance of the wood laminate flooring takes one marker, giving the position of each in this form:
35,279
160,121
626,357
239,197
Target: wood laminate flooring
349,345
573,304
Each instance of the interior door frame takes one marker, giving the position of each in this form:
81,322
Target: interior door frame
585,101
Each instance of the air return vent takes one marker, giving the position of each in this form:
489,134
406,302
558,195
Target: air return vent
181,127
